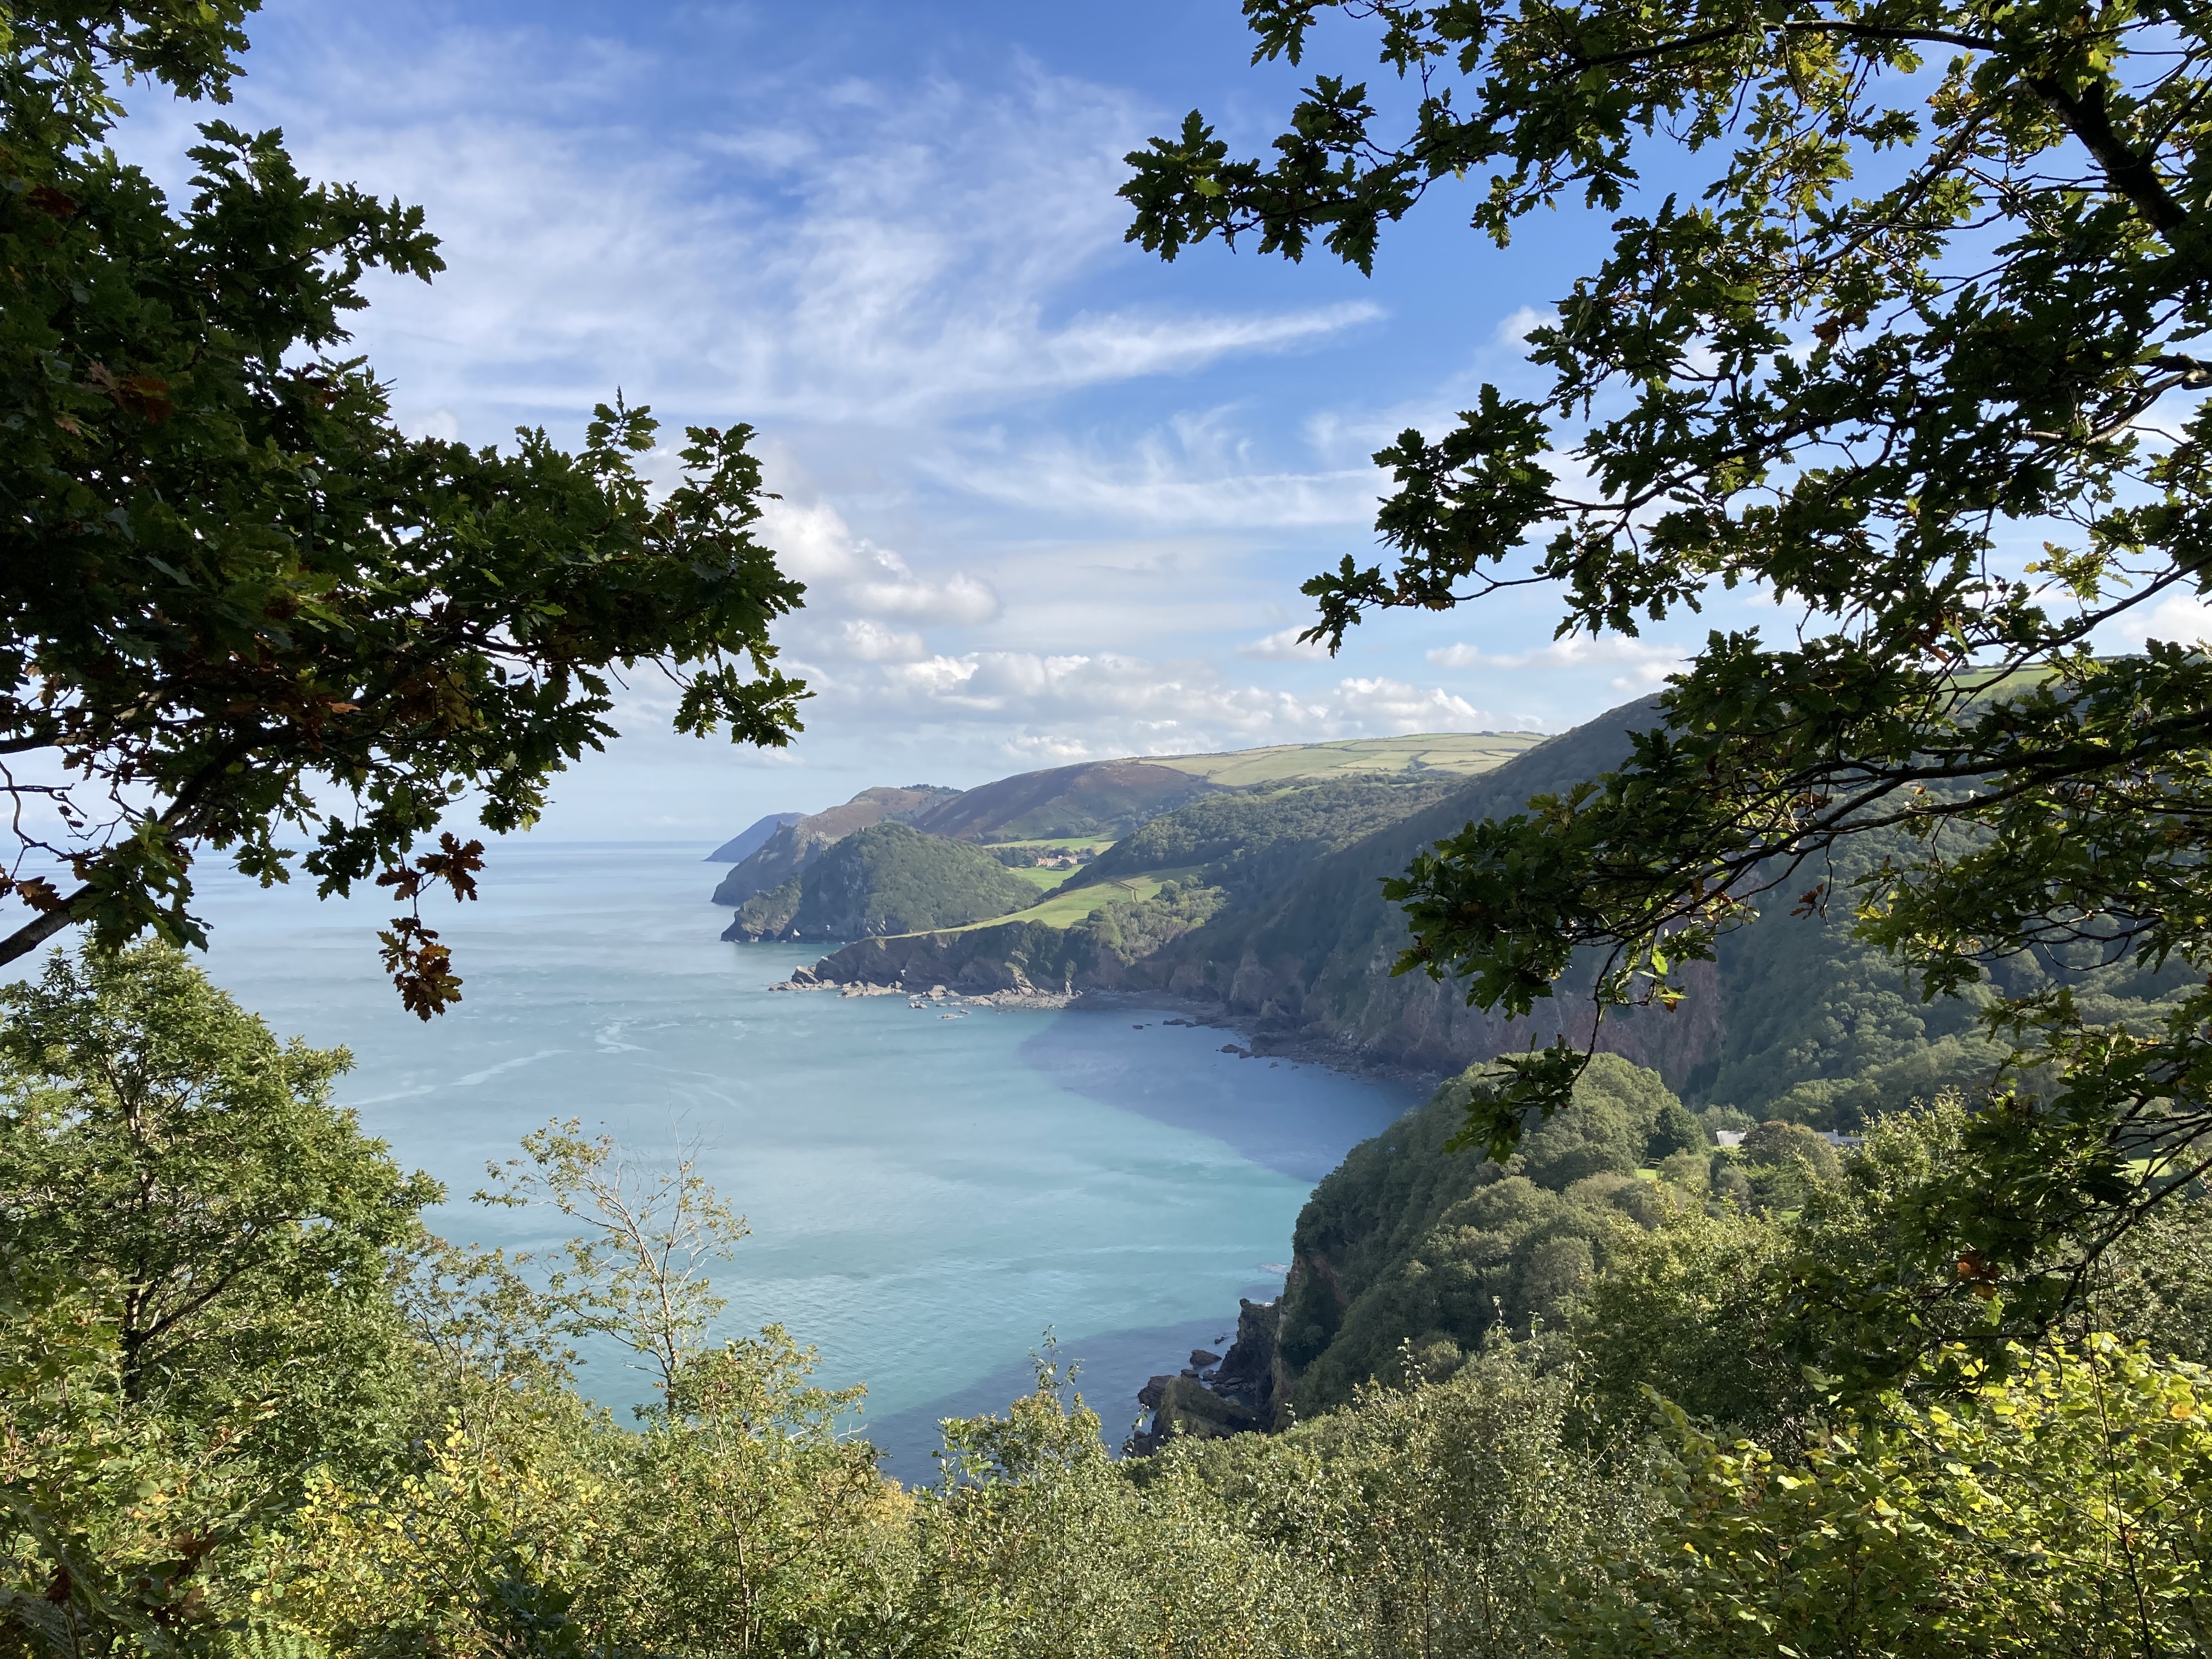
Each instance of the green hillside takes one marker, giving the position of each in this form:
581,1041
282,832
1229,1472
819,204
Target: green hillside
1406,1242
1466,754
1797,1018
1253,843
767,914
1098,798
791,847
892,878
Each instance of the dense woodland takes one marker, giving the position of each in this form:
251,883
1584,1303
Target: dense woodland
1620,1395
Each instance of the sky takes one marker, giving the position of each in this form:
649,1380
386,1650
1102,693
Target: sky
1052,498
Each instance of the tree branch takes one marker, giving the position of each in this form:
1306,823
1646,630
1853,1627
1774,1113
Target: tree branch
2132,174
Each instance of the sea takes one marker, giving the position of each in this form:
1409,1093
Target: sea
932,1199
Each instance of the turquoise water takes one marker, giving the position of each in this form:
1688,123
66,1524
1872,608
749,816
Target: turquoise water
927,1195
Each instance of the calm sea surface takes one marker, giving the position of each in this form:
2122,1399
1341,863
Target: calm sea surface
927,1196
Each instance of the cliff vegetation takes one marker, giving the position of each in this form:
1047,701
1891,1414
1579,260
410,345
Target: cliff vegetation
252,1407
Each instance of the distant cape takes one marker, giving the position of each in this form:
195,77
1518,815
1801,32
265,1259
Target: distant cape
742,846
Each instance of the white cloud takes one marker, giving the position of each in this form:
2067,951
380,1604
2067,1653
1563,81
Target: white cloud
871,641
1646,663
849,576
1199,470
2180,619
830,252
1515,330
1393,707
1100,703
1284,646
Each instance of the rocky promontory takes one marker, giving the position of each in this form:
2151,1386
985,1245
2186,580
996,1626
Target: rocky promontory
1247,1391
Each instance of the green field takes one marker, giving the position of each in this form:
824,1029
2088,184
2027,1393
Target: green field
1068,908
1063,844
1468,753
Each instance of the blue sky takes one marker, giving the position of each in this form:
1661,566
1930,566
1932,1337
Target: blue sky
1052,498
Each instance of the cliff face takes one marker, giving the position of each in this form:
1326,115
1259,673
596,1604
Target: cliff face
744,844
1307,959
1312,960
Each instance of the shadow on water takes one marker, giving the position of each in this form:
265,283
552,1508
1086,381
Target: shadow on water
1301,1126
1115,1365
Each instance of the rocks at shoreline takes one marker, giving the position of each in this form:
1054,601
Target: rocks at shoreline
936,996
1246,1392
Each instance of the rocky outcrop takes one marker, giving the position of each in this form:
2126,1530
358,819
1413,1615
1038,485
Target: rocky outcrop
1241,1392
1252,1372
750,840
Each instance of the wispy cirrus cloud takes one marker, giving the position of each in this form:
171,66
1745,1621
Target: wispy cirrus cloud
1048,497
1198,470
828,250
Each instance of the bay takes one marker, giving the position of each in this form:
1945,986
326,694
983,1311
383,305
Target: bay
927,1196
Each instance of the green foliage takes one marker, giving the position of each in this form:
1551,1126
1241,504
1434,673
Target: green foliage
1615,1110
1036,1543
895,879
767,914
1943,261
116,1526
1411,1247
1675,1129
2059,1510
1130,930
156,1139
1495,1495
1697,1310
1252,843
232,593
637,1271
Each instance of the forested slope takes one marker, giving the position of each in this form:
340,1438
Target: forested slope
1277,917
788,850
887,878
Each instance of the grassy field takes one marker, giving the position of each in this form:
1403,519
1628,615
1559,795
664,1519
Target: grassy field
1467,753
1068,908
1064,844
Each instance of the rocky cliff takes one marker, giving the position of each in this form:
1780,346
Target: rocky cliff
1304,957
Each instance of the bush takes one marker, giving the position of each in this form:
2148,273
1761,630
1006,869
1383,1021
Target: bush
2059,1510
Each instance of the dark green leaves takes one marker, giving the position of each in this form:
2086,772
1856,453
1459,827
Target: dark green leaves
1934,294
232,593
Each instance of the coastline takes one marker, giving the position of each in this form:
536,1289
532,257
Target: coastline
1259,1044
1209,1394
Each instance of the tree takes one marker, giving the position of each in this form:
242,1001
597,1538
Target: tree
155,1139
1675,1130
638,1271
235,600
2059,1511
1928,297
